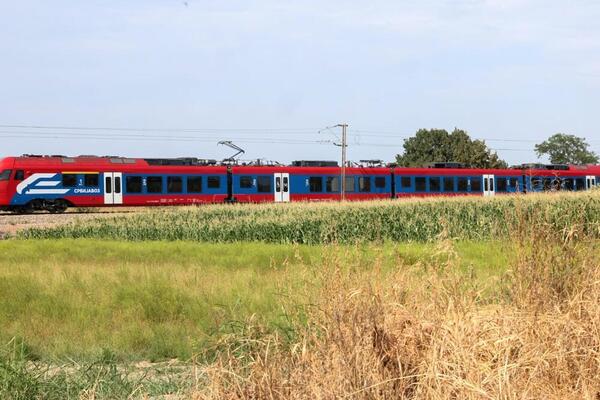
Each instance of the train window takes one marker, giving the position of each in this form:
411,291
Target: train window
214,182
174,184
475,184
434,184
567,184
155,184
332,184
194,184
263,184
420,184
405,182
548,183
315,184
133,184
117,184
502,185
380,182
69,180
90,180
579,184
19,175
350,184
448,184
364,183
5,175
514,183
245,182
463,184
108,184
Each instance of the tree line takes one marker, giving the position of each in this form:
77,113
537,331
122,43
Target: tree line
439,145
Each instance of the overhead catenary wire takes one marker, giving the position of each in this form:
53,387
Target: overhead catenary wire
256,140
244,131
209,135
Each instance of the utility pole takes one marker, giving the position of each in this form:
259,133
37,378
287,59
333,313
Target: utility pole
343,145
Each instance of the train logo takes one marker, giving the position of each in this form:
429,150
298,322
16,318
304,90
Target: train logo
40,184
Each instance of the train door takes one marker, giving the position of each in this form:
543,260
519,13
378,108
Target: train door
282,188
591,182
113,188
489,188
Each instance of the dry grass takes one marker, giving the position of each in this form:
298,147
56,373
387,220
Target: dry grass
436,338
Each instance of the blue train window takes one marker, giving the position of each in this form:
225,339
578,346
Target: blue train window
90,180
364,184
475,184
380,182
502,185
133,184
315,184
448,184
69,180
174,184
263,184
194,184
579,184
332,184
463,184
420,184
434,184
514,183
245,182
350,184
155,184
214,182
405,182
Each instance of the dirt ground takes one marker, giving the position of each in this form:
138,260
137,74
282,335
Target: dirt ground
11,223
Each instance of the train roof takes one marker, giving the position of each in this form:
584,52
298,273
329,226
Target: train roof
107,163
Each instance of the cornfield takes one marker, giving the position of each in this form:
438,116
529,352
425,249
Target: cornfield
321,223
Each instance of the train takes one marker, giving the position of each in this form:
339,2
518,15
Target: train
54,183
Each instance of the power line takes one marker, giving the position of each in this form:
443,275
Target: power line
182,130
136,138
243,131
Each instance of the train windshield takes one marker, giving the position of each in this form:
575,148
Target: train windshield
5,175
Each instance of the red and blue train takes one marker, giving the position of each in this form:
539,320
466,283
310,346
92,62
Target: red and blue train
54,183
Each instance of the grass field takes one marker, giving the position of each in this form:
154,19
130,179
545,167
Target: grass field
160,300
309,301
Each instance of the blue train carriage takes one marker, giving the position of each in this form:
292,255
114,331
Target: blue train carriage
452,181
259,184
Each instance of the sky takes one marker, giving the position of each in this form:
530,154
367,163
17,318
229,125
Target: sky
172,78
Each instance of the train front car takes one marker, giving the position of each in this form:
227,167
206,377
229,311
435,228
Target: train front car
6,173
53,183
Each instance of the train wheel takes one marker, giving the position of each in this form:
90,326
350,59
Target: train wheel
58,207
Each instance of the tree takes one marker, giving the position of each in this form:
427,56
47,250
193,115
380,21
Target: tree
566,149
437,145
